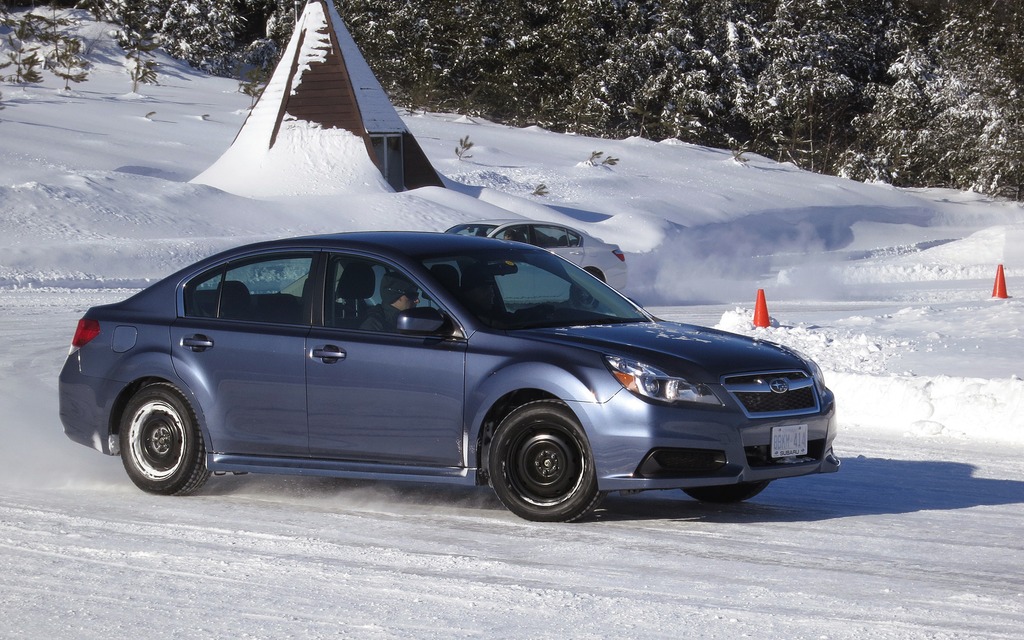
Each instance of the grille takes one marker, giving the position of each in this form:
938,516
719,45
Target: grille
759,395
774,402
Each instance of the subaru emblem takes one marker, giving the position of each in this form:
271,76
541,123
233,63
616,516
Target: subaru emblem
779,385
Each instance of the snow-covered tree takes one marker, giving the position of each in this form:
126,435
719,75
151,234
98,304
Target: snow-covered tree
894,143
201,32
819,60
734,33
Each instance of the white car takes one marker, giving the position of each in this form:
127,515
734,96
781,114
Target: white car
602,260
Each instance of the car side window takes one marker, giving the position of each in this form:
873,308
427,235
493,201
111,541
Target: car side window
351,290
550,237
267,289
368,294
574,239
517,233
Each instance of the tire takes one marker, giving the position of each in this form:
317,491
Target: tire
541,466
161,447
728,493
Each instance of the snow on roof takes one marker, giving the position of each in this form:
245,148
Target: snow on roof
277,153
379,115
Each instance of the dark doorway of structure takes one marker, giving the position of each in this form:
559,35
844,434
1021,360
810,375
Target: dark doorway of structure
388,149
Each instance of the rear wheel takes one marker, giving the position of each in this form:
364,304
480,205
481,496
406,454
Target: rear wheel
541,466
161,447
727,493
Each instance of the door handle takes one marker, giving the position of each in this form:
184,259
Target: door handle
197,343
329,353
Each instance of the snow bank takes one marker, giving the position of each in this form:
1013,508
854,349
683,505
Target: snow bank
927,406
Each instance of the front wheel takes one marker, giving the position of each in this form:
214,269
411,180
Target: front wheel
161,447
728,493
541,466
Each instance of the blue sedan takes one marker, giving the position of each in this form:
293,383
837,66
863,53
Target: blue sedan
435,358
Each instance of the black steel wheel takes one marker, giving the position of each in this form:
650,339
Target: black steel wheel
725,494
161,447
541,466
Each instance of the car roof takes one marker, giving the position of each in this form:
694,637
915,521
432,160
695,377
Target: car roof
412,243
501,222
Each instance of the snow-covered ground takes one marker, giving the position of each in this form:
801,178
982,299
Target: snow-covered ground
918,536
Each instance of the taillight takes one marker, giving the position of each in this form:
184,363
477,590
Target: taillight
86,331
618,254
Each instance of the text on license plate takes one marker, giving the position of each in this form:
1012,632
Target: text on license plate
790,440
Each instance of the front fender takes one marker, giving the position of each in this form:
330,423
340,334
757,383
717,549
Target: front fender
577,382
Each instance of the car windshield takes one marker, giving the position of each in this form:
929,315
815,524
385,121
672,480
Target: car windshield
526,289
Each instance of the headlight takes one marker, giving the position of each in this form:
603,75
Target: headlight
819,377
653,384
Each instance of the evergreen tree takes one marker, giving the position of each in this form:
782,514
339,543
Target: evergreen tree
734,34
894,137
200,32
680,90
64,57
812,86
23,49
583,80
253,82
68,63
975,131
138,24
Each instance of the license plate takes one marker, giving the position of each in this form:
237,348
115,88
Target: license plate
790,440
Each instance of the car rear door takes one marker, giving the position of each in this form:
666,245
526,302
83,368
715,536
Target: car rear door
560,241
378,396
240,347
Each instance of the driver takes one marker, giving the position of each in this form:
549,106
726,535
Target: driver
396,295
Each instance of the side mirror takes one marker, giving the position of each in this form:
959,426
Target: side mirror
424,321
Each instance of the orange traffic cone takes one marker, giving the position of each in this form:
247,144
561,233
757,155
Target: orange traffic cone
761,311
999,290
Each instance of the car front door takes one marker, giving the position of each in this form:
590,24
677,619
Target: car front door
239,346
375,395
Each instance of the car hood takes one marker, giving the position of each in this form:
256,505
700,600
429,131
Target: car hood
698,353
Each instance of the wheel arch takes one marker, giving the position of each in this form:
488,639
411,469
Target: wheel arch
509,388
128,392
497,412
597,273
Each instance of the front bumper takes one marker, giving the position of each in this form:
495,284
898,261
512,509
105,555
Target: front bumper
638,445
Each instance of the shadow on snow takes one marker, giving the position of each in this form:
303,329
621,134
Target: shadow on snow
863,487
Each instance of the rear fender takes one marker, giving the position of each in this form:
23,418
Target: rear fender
137,371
